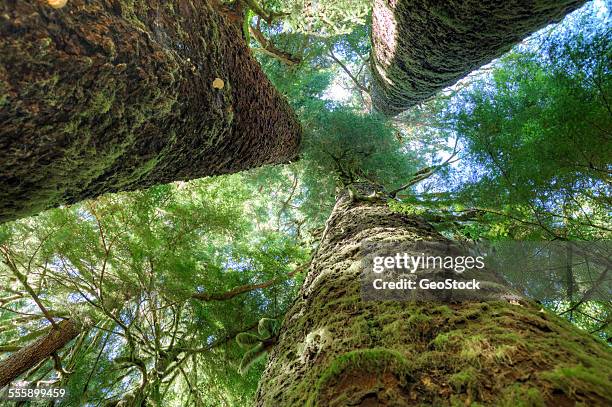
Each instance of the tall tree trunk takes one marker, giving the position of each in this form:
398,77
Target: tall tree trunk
30,355
105,96
421,46
336,349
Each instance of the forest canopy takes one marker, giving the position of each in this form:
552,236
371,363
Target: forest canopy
177,290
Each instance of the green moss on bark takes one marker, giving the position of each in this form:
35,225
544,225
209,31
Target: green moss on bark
376,362
464,353
420,47
522,395
106,96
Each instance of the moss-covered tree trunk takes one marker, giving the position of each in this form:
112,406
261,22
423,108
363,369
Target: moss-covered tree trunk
335,349
104,96
422,46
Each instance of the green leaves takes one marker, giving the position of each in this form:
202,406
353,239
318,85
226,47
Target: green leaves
130,262
537,130
247,340
267,328
344,146
326,17
250,357
257,345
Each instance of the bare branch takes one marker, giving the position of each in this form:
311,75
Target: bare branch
246,288
269,48
426,172
24,281
348,71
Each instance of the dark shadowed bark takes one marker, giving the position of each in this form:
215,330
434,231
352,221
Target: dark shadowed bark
421,46
30,355
104,96
335,349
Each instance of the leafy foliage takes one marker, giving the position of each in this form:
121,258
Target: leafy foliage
540,130
355,147
258,344
130,266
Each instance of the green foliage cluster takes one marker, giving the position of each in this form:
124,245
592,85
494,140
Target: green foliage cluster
130,268
539,129
327,17
258,344
352,147
321,18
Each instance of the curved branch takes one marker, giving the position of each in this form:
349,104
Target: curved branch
270,49
245,288
348,72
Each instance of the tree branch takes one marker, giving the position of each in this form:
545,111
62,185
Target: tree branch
426,172
270,49
245,288
348,72
268,16
24,281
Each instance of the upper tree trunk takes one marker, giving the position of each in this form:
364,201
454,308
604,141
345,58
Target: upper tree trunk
30,355
104,96
422,46
336,349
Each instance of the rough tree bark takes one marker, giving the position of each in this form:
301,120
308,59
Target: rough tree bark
335,349
105,96
30,355
421,46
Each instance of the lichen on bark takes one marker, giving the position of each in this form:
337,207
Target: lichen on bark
420,47
335,349
115,95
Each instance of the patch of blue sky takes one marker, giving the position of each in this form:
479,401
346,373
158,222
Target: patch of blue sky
591,19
